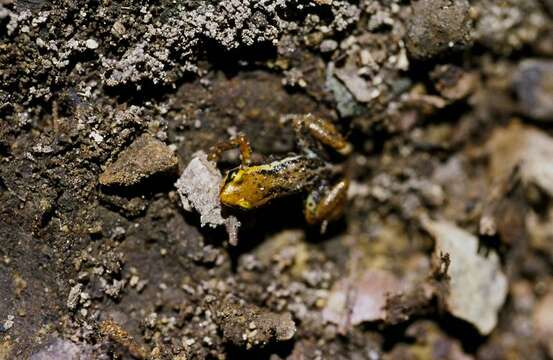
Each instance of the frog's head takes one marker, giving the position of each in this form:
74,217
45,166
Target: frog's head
235,190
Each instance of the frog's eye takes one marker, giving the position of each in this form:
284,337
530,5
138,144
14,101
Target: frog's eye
234,175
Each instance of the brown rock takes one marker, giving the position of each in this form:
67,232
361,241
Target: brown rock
145,157
436,26
247,325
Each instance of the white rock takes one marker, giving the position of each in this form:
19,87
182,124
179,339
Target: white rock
94,135
198,188
91,44
478,287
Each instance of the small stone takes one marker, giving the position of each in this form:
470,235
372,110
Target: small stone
356,85
144,158
328,45
533,84
91,44
8,324
436,26
94,135
346,104
118,29
74,296
478,287
134,281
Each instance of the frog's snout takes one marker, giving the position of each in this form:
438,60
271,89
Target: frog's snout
233,197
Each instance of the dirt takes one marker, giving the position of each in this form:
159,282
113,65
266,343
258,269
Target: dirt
448,107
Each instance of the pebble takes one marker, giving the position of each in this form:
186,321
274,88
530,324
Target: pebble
533,84
356,85
91,44
328,45
144,158
74,296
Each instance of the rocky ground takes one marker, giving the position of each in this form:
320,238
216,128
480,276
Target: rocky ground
445,250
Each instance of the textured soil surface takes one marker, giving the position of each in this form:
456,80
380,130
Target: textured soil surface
445,247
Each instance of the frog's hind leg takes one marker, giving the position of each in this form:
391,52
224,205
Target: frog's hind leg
240,141
326,203
321,130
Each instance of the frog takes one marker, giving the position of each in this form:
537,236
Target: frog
250,186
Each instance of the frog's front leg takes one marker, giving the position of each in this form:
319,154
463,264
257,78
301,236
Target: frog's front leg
322,130
326,203
240,141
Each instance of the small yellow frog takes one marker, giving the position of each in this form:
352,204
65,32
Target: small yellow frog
251,186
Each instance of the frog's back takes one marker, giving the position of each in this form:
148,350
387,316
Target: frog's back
254,186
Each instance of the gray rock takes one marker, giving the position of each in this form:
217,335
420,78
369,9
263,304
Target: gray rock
533,84
345,102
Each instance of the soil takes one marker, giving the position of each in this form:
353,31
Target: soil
448,106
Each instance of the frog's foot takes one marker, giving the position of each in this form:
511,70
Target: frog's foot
239,141
321,130
326,203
